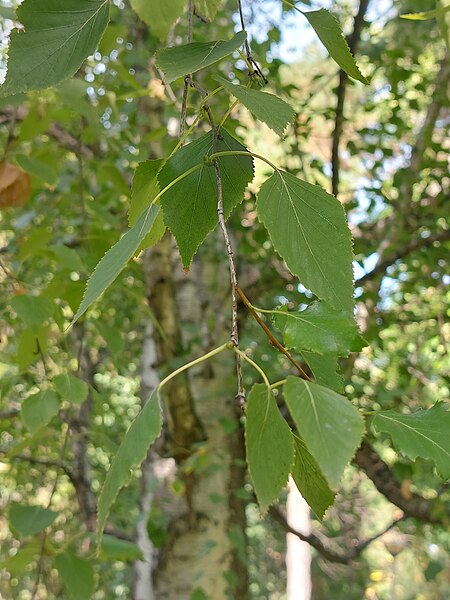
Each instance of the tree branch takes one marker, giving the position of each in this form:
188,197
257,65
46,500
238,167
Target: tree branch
329,554
403,252
378,471
353,42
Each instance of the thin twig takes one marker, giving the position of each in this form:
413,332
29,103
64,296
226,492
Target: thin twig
234,337
327,553
273,340
253,65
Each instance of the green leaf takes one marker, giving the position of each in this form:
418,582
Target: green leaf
116,259
330,34
113,548
190,206
310,481
270,109
77,574
143,432
182,60
39,409
425,16
37,168
17,564
425,433
29,520
325,369
57,36
71,388
329,424
33,310
269,444
159,16
208,8
320,329
144,189
309,231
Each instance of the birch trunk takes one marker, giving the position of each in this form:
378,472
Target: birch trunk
204,547
298,555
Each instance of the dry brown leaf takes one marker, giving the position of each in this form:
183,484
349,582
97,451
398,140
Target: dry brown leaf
15,185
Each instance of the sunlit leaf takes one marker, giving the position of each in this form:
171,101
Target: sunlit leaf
330,34
57,36
309,231
273,111
182,60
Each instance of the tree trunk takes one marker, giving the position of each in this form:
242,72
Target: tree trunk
298,554
204,546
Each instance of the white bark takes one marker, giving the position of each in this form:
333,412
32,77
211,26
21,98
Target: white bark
298,555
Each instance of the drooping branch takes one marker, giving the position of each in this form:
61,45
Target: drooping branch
353,42
377,470
331,554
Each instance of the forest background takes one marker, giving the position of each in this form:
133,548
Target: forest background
187,525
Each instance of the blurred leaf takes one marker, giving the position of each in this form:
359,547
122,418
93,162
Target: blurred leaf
71,388
39,409
77,574
424,433
159,16
113,548
37,168
17,564
33,310
15,186
29,520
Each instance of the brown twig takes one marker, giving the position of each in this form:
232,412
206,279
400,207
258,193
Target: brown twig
234,337
273,340
251,61
329,554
